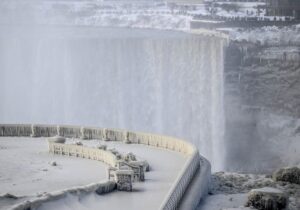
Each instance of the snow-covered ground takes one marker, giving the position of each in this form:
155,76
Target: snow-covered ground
223,201
26,168
230,191
25,171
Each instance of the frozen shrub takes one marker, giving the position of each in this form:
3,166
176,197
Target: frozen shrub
267,199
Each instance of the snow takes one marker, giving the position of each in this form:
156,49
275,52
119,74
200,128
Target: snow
267,190
268,35
151,192
26,168
30,177
243,9
223,201
94,13
230,191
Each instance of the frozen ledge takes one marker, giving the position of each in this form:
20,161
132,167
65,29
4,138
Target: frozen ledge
46,197
191,183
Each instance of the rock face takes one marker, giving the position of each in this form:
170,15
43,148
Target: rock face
267,199
291,175
262,107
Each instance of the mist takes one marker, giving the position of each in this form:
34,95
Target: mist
138,79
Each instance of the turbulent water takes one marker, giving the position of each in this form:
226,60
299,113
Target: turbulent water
145,80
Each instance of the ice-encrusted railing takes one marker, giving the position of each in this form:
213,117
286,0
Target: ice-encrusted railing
83,152
180,185
182,181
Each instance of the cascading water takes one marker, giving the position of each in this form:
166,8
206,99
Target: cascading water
145,80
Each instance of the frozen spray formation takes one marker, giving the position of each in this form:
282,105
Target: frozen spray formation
154,81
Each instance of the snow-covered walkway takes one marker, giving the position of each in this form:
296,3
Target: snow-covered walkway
25,169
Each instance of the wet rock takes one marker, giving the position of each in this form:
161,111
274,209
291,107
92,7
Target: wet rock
267,199
291,175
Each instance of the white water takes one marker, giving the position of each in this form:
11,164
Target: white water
144,80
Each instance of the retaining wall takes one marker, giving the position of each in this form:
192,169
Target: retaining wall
179,187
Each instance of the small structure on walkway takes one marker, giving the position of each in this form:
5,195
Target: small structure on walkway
122,177
131,158
138,169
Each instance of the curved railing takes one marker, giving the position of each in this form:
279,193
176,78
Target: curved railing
182,181
84,152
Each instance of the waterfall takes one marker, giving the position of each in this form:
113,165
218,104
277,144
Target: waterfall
145,80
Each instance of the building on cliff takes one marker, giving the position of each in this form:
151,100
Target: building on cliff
283,8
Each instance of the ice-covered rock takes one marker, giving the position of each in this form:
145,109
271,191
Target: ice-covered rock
267,198
232,183
291,175
106,187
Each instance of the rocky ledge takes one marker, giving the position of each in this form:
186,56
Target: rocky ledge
259,191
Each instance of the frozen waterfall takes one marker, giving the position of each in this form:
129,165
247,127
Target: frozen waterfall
144,80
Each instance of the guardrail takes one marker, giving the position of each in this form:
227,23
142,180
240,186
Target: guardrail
182,181
83,152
